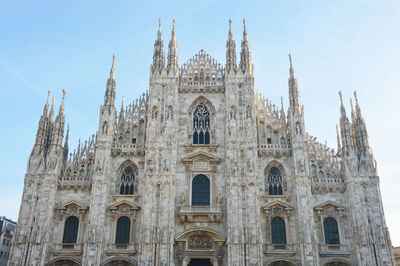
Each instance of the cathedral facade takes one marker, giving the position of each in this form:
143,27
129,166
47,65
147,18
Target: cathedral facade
201,170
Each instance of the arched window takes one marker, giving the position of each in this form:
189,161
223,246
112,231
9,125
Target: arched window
201,191
274,181
278,231
126,186
71,230
331,231
201,125
123,230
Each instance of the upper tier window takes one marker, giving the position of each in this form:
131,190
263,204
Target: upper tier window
201,125
127,186
274,181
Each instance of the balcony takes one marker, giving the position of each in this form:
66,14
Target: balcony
206,214
127,149
121,249
276,150
74,249
280,250
333,250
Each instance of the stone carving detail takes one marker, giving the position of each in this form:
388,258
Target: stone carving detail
200,71
200,241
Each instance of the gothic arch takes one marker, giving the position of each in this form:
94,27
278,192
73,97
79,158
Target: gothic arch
275,163
202,100
128,163
116,259
69,259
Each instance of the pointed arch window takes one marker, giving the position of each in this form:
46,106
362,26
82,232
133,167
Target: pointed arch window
278,231
201,125
123,230
201,191
331,231
127,181
71,230
275,183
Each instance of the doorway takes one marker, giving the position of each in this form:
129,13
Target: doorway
200,262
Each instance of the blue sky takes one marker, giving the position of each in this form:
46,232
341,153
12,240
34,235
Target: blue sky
336,45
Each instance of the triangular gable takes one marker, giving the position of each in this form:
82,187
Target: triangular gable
72,203
200,155
118,204
327,204
278,204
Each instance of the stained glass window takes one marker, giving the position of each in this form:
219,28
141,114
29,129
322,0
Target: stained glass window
126,184
201,125
274,181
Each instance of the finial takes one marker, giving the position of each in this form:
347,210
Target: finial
112,71
291,69
48,95
61,110
230,26
173,23
159,29
244,28
341,97
355,96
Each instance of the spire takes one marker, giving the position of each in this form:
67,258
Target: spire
46,106
338,139
109,96
294,95
61,110
121,113
51,114
158,55
66,145
173,51
230,51
112,70
360,129
345,128
245,55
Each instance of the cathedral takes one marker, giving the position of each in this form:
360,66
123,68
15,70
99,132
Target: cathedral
201,170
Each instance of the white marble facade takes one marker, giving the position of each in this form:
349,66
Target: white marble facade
263,169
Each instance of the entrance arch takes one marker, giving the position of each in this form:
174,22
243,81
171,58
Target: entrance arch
199,247
120,261
200,262
282,262
65,261
337,263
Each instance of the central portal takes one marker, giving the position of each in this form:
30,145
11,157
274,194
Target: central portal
200,262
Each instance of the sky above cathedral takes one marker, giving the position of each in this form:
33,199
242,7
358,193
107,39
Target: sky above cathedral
335,45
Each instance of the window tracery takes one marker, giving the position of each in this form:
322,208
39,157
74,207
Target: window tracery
275,182
201,125
127,182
